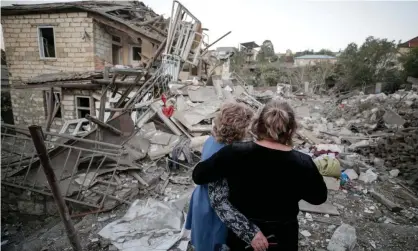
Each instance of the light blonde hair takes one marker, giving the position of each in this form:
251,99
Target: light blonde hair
276,122
232,123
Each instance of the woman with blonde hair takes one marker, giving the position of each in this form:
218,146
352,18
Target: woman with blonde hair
210,213
267,179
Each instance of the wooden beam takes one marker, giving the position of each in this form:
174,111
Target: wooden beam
126,28
104,125
151,21
157,53
50,109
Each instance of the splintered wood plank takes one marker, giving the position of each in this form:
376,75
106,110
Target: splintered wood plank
325,208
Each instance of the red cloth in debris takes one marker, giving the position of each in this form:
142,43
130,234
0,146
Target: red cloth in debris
167,111
317,153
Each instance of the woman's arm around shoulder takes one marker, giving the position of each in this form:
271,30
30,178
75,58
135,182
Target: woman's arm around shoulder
214,168
314,189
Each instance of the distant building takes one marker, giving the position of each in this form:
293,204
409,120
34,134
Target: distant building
313,59
406,46
250,49
223,51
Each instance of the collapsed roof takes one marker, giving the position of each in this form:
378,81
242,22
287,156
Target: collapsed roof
133,15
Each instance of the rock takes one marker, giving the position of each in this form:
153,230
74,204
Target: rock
394,173
392,118
346,164
383,177
360,144
351,174
368,177
378,162
343,239
305,233
332,183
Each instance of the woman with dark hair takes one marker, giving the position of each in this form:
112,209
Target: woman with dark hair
267,179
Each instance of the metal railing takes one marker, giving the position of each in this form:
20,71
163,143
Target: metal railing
85,169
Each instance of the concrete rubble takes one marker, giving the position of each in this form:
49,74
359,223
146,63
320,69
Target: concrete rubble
126,171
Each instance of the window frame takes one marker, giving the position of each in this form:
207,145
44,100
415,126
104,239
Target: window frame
41,43
77,107
46,100
131,58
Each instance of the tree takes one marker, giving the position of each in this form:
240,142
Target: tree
325,52
374,61
410,63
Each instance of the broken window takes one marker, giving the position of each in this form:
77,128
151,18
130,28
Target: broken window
136,53
56,100
116,54
116,39
83,107
46,42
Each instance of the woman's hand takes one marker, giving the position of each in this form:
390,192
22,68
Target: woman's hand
259,243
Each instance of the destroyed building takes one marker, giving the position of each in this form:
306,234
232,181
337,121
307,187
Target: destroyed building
64,38
122,137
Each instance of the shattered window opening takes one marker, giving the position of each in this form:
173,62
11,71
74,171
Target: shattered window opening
56,99
46,40
136,53
116,39
82,106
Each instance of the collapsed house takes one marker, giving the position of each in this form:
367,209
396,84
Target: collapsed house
103,79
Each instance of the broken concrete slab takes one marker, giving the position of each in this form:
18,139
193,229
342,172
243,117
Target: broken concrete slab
195,115
392,118
368,177
332,183
325,208
202,93
343,239
161,138
351,174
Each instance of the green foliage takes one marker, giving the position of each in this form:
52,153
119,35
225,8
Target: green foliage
410,63
374,61
270,74
311,52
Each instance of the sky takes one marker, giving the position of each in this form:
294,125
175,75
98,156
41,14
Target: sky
296,25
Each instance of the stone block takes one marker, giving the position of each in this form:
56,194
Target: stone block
343,239
75,14
31,207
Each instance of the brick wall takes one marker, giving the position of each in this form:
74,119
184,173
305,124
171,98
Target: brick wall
74,52
73,43
102,46
29,106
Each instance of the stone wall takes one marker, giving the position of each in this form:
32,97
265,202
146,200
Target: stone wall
102,46
73,44
29,106
26,202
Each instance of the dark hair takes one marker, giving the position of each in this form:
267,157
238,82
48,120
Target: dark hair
276,121
232,122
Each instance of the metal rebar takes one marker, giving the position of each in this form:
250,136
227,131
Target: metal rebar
66,136
107,188
98,168
38,141
85,177
65,164
73,171
46,193
29,166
